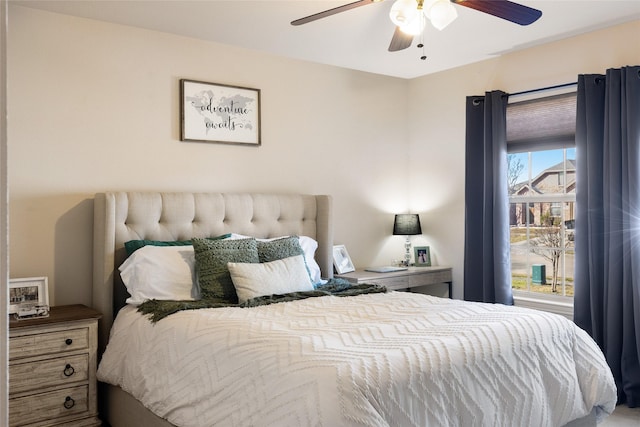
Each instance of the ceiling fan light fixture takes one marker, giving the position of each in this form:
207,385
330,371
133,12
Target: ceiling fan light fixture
441,13
403,12
415,26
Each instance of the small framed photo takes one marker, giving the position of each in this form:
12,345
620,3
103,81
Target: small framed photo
31,291
341,260
422,255
211,112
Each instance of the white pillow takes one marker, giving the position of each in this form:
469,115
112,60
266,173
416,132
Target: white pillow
282,276
160,272
309,247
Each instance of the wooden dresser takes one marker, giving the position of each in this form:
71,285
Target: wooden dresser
52,369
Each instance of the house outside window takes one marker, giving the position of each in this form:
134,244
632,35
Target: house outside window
542,192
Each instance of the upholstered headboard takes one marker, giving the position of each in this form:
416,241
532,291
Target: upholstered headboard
123,216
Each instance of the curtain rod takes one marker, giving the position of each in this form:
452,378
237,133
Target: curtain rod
524,92
480,99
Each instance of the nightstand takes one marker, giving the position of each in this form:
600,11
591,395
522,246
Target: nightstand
52,369
401,280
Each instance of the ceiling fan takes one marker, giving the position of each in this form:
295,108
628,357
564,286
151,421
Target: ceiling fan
410,16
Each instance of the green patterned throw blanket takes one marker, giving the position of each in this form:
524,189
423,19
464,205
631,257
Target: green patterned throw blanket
158,310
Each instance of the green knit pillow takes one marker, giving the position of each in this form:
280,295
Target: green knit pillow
274,250
286,247
212,257
133,245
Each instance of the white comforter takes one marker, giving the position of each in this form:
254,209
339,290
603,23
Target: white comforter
396,359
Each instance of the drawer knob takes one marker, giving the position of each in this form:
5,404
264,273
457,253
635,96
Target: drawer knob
68,370
68,341
69,402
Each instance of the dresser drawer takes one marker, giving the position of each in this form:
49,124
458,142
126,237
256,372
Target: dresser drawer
47,406
430,279
48,343
394,283
46,373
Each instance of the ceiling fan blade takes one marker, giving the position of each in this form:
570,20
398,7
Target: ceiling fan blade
333,11
508,10
400,40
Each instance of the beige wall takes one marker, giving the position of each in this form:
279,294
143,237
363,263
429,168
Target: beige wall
94,107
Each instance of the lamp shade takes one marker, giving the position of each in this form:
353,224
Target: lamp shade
407,225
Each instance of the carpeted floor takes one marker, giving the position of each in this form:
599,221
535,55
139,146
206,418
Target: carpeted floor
622,417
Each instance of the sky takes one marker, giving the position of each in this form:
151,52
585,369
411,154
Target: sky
541,160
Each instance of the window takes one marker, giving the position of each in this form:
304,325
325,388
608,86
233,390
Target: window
542,217
542,192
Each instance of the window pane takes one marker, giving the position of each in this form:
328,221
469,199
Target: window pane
548,171
571,171
517,172
542,223
520,265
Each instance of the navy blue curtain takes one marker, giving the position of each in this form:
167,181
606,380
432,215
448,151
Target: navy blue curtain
607,237
487,262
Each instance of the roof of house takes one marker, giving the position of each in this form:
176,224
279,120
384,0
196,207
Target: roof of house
557,168
571,167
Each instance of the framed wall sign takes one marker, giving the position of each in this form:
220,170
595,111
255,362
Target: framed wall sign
341,260
33,291
211,112
423,256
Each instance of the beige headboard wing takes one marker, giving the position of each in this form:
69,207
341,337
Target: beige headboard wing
123,216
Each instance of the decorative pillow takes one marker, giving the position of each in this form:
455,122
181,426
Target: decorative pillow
133,245
275,277
212,257
309,247
275,249
160,272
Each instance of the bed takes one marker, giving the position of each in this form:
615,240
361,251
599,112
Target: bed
393,358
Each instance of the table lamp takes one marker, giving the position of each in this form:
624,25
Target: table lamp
407,225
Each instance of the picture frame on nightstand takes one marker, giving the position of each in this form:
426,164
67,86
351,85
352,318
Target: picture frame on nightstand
28,292
422,255
341,260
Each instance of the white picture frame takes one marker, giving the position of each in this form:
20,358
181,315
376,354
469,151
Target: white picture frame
341,260
28,290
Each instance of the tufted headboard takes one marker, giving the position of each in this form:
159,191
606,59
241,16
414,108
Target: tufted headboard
123,216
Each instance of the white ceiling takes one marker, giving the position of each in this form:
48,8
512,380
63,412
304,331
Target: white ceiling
356,39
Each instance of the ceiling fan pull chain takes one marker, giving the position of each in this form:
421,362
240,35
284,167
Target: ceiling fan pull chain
421,46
